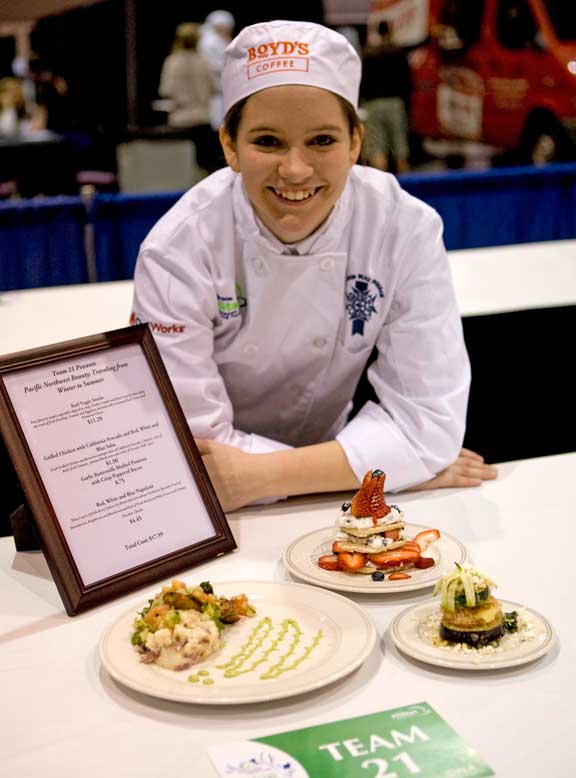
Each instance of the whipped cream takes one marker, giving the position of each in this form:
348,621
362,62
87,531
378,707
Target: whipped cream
379,542
347,520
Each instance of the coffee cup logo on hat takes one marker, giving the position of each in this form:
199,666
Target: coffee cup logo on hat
282,53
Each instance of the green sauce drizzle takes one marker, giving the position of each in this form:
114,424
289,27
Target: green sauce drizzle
289,632
280,667
256,638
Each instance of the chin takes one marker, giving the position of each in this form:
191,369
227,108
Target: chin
302,228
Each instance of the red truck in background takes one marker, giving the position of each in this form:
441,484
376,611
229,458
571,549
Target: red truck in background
500,72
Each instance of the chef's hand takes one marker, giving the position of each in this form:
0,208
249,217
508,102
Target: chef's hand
233,472
469,469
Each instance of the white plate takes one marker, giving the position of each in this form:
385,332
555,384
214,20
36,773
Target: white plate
302,555
348,638
406,633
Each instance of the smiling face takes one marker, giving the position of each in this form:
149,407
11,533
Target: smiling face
294,150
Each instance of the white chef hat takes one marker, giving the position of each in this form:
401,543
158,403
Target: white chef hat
220,19
282,52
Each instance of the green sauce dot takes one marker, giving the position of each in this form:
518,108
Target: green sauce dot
193,678
207,681
203,672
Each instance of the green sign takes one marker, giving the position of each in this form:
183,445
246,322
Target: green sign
399,743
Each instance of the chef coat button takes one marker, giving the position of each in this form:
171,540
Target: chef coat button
258,265
319,342
327,264
250,349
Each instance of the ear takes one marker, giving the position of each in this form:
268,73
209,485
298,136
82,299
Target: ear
229,149
356,143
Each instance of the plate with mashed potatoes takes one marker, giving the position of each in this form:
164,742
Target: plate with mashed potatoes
236,643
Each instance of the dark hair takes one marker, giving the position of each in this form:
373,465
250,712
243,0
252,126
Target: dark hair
234,116
232,119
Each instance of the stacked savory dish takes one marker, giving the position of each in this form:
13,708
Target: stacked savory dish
470,613
371,536
181,626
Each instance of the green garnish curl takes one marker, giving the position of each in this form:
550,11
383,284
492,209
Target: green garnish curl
461,588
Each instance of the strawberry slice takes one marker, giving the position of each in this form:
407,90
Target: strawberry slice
424,562
410,546
329,562
423,539
393,534
399,556
398,576
337,547
351,562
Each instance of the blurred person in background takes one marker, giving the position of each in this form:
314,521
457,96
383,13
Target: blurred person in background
57,112
385,94
53,108
20,71
215,35
188,82
13,114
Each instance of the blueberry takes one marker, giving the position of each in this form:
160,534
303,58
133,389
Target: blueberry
377,473
377,576
345,506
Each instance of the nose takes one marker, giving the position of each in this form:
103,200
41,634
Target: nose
295,166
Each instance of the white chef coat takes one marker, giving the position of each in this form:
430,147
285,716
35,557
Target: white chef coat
265,348
187,80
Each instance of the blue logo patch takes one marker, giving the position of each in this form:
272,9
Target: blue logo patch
361,295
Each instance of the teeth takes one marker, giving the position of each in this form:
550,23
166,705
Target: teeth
301,195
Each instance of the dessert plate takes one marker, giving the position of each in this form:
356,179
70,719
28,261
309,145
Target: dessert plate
346,638
413,628
302,555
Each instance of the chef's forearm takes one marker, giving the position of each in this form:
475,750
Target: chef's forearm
306,470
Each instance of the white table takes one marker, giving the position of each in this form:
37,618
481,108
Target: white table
500,279
64,716
487,280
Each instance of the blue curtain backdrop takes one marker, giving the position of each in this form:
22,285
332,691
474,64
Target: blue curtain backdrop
121,222
501,207
42,243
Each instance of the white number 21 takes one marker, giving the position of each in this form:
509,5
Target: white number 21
382,765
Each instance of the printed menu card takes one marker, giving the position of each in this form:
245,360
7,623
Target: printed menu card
106,459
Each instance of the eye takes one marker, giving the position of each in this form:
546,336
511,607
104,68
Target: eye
267,141
323,140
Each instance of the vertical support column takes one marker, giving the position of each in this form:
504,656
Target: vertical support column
87,194
131,63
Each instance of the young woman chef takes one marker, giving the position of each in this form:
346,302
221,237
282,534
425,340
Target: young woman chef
269,284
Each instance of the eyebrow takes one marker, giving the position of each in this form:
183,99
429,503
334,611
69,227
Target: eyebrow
324,128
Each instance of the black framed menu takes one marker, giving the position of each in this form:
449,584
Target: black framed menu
112,476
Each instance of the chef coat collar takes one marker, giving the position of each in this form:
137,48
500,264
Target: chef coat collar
323,240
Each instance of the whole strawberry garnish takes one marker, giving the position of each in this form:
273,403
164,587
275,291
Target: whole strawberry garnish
378,506
369,499
360,505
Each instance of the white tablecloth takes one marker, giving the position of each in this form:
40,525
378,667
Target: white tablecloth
63,716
